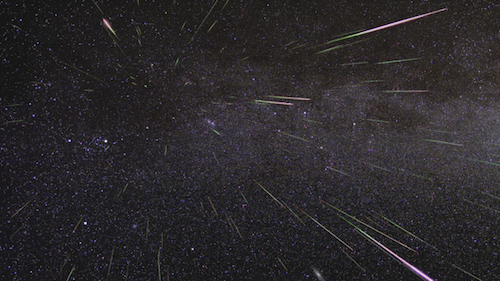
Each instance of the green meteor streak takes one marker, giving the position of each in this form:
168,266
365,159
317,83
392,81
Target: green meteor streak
377,121
290,135
406,231
217,132
372,228
67,64
203,21
444,142
397,61
405,91
485,162
269,193
406,264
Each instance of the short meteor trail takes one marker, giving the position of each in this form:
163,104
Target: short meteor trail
107,24
288,98
444,142
273,102
338,171
290,135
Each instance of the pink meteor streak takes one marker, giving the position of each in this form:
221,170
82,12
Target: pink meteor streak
388,25
400,259
108,26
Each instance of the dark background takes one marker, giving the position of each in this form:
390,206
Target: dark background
123,155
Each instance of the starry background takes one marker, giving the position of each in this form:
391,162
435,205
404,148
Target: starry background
145,156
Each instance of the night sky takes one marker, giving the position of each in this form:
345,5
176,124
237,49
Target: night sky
220,140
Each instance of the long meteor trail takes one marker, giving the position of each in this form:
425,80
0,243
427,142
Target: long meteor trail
387,26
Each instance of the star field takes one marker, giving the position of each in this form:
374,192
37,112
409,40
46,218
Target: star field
225,140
